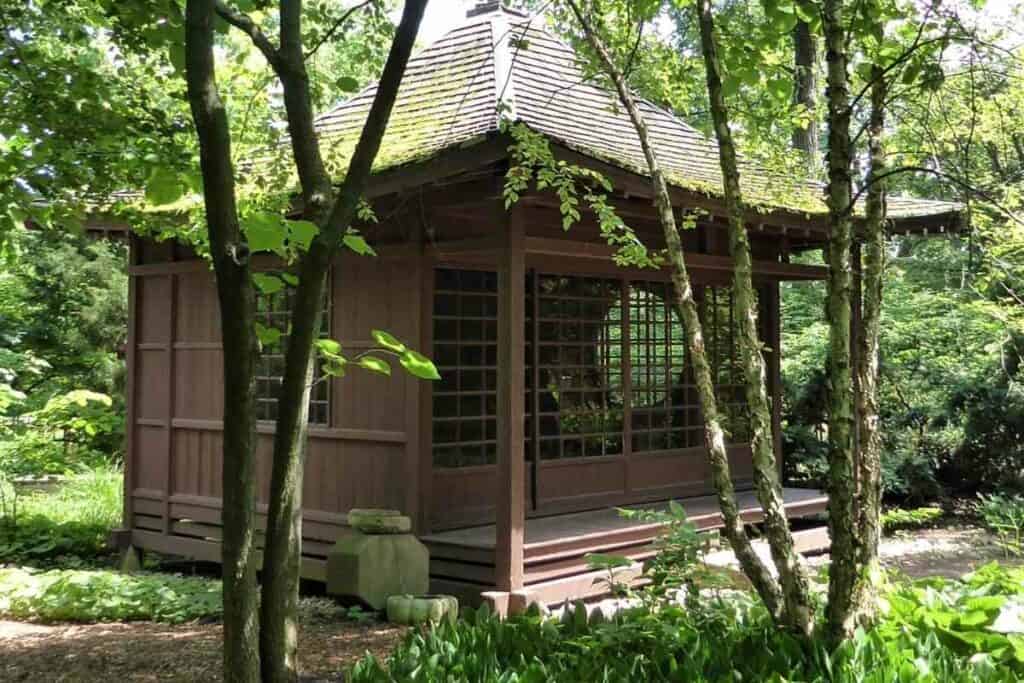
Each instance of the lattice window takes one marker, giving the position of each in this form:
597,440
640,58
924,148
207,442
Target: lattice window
597,349
664,409
722,340
272,310
579,367
466,356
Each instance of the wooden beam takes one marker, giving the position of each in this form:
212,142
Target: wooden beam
447,249
566,248
511,466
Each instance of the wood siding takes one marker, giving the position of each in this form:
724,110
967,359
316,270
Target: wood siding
362,458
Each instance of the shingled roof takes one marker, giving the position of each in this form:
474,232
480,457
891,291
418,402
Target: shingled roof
450,98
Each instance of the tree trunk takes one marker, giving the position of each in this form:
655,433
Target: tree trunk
282,556
869,465
842,485
237,312
805,92
798,609
734,531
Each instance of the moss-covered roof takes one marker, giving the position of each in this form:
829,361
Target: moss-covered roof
451,92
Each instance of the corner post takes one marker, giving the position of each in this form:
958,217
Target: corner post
511,467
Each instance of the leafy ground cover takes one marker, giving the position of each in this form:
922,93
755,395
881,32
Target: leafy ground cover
104,595
65,528
933,630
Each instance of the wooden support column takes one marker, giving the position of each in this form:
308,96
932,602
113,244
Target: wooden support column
131,364
511,467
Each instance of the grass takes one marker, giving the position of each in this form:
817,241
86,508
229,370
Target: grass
64,528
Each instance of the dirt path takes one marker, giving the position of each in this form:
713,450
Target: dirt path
949,552
144,651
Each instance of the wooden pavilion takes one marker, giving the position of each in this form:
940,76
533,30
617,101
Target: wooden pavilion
565,387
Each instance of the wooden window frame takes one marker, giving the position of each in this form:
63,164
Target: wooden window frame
666,372
268,382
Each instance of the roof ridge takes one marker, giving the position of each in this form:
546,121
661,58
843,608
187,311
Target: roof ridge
504,63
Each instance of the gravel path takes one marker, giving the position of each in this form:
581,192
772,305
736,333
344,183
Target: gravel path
145,651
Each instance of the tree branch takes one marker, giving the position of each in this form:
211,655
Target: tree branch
336,27
246,25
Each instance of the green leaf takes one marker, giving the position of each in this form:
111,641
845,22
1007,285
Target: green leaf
292,280
335,366
268,284
265,232
419,365
347,84
374,364
164,187
268,336
328,346
356,243
302,233
387,341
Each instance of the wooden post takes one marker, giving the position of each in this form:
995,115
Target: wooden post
131,363
511,467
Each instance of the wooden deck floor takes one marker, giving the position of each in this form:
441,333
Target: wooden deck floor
558,530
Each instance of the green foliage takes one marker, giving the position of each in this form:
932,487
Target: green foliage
67,527
96,595
932,631
534,162
950,403
1004,516
898,519
680,551
76,430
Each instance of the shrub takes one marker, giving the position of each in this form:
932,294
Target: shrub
76,430
77,595
916,518
1004,516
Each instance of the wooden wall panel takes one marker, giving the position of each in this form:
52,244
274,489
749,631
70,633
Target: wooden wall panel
373,293
468,493
198,317
199,385
150,466
153,309
152,392
196,463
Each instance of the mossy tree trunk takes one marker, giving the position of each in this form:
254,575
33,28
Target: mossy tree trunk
798,610
869,463
237,312
767,587
842,486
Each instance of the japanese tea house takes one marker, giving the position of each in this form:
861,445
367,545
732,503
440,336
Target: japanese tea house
565,386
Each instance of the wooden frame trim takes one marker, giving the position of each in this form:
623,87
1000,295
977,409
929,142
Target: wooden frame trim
267,427
546,246
131,364
510,500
